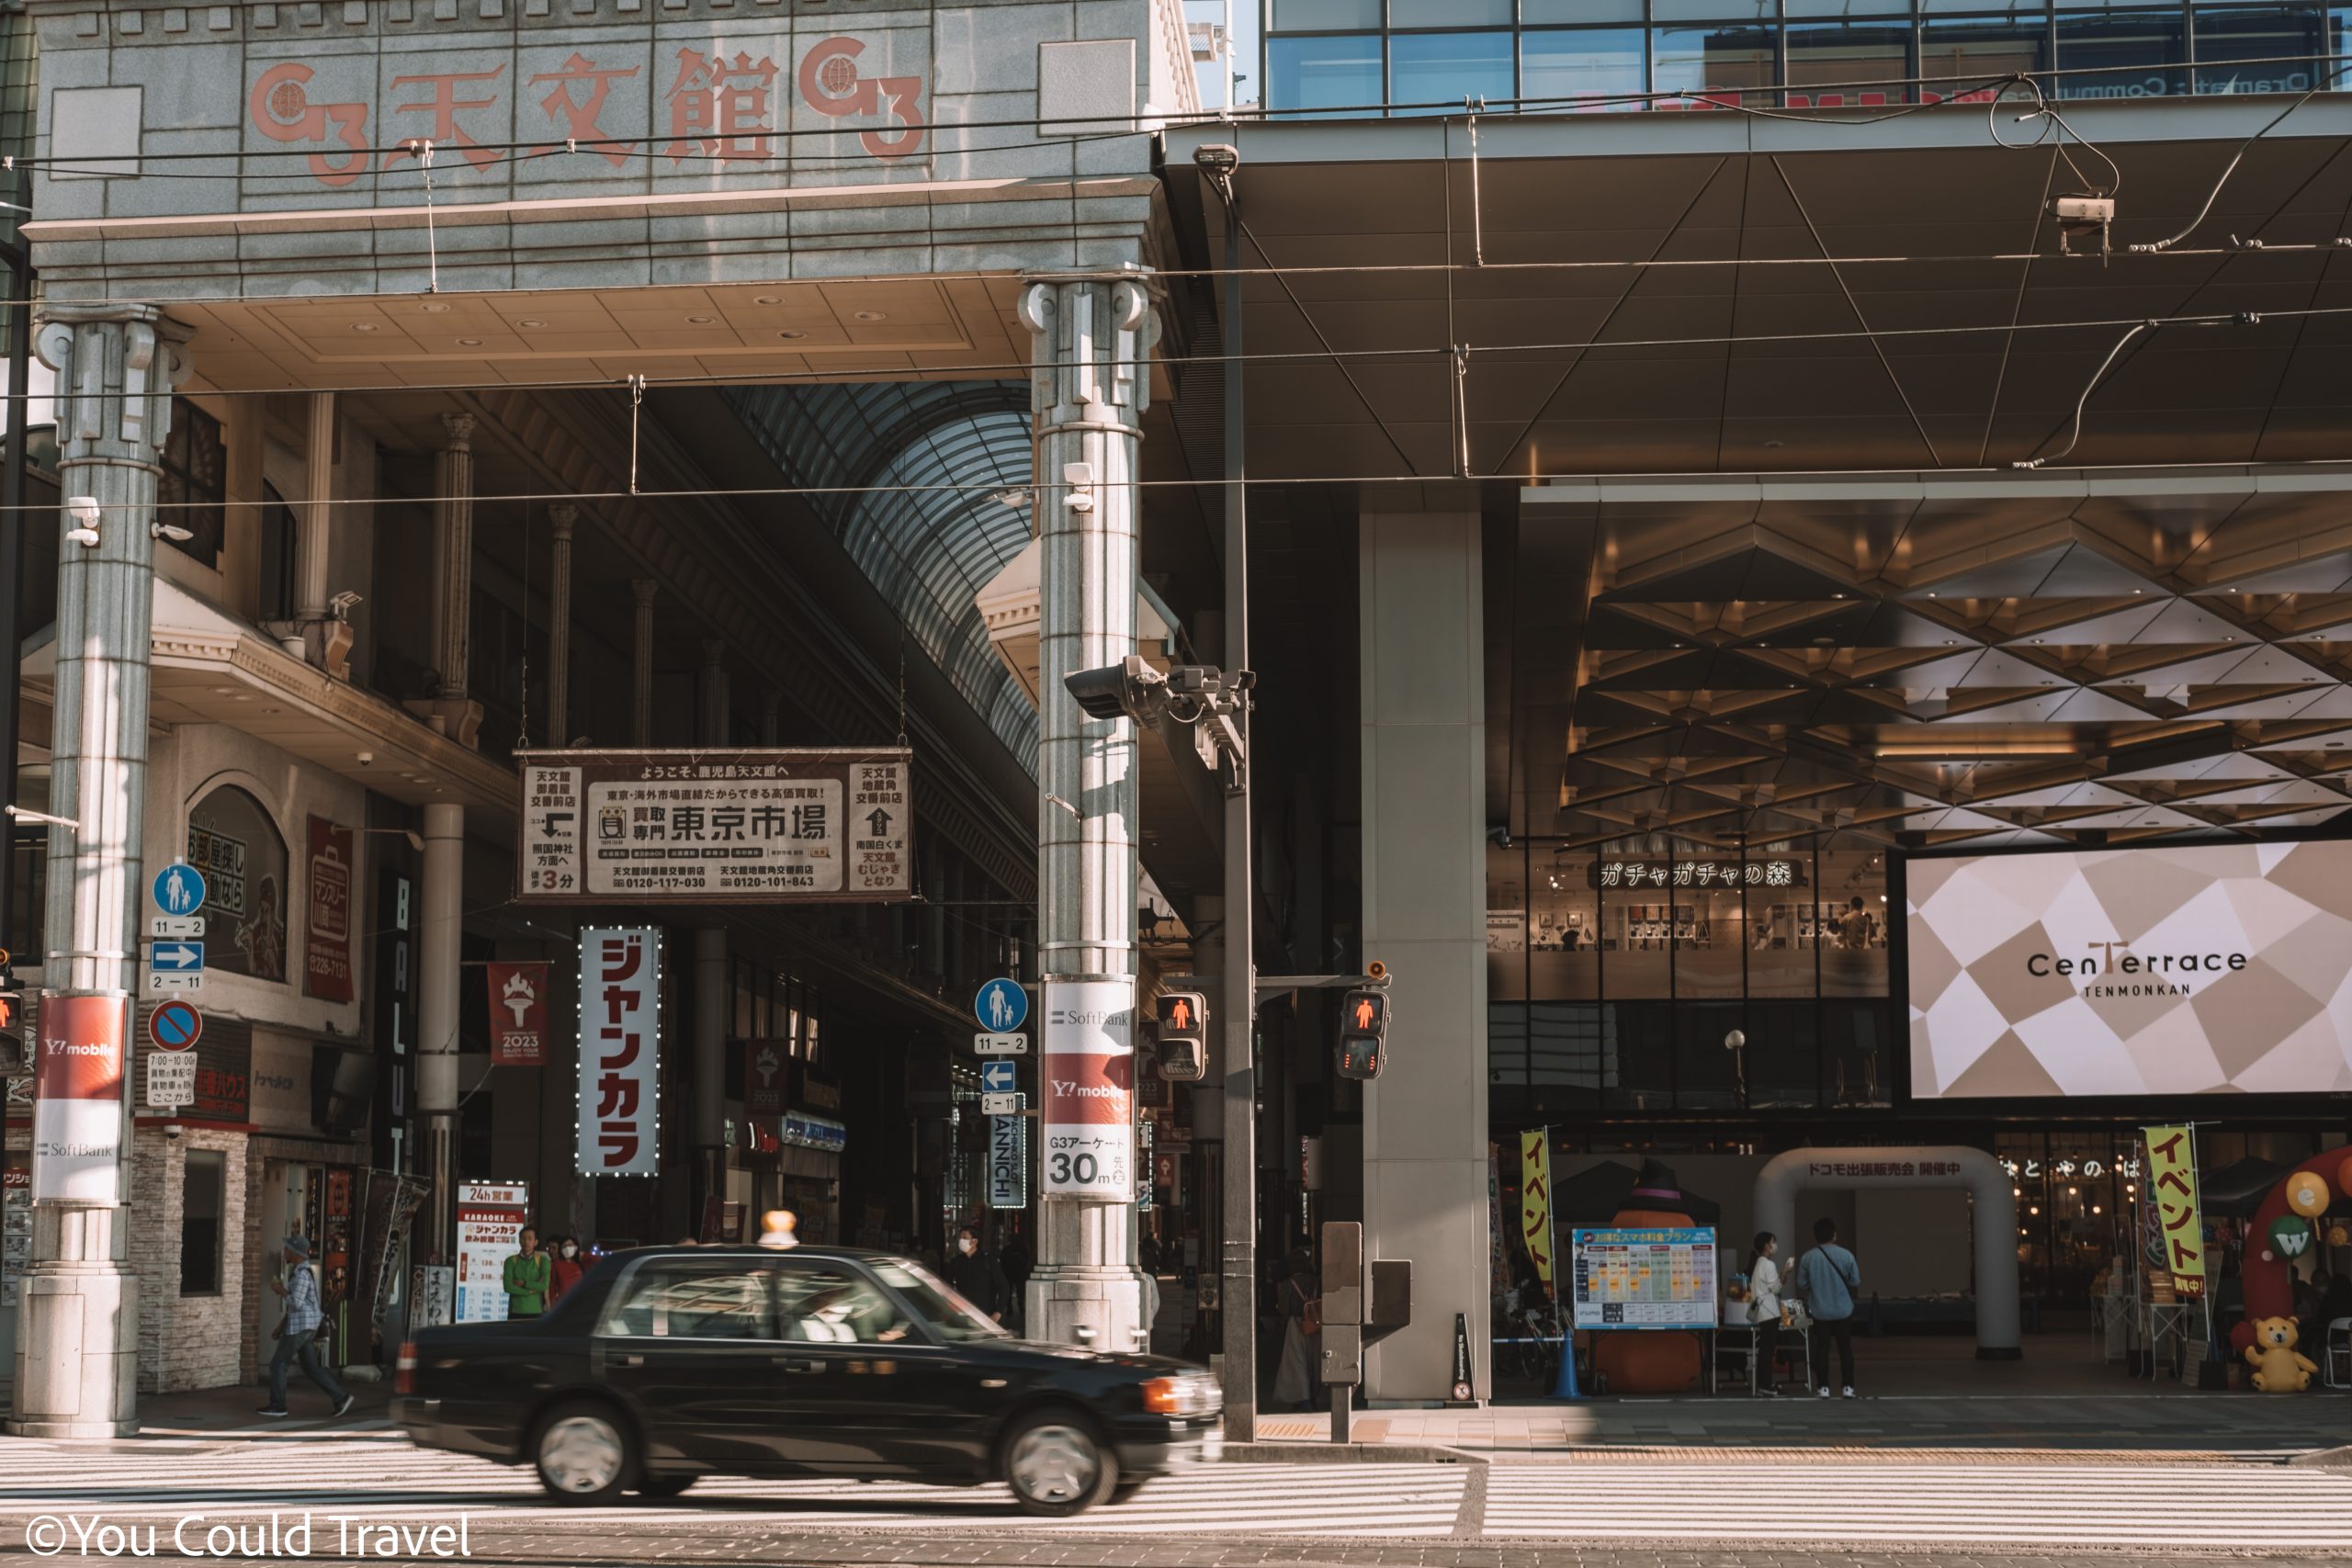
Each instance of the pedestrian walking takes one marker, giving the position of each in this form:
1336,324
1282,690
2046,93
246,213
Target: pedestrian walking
978,1278
299,1332
1764,1305
1828,1277
1299,1300
564,1268
528,1277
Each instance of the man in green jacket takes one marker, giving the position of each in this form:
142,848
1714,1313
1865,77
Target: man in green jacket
526,1277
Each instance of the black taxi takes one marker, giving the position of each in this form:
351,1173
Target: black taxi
665,1364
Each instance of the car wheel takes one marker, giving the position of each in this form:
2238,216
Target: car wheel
1127,1488
665,1486
1057,1466
584,1454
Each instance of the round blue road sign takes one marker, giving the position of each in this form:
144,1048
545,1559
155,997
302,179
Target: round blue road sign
179,890
175,1026
1002,1007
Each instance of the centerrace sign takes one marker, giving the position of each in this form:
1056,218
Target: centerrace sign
2113,969
715,827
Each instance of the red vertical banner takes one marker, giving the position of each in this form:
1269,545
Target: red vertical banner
326,923
518,1014
77,1099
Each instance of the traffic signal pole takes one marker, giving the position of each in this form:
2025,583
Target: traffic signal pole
1237,1295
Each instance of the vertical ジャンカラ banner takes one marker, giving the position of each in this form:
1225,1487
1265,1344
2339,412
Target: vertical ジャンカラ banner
620,1049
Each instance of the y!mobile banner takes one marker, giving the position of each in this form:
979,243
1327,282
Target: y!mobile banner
1087,1068
620,1045
77,1099
2209,969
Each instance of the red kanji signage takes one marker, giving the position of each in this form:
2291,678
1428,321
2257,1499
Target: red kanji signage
620,1048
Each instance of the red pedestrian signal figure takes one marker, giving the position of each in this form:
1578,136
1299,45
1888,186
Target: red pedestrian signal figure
1183,1037
1363,1033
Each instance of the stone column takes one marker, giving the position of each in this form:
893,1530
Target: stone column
453,582
1091,337
563,516
320,645
77,1338
641,686
440,954
772,719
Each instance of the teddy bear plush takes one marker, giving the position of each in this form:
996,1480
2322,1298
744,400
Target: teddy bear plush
2278,1368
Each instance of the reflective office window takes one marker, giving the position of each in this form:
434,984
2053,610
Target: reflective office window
1835,64
1325,15
2227,36
1783,1055
1731,63
1638,1039
1562,925
1571,1046
1505,1045
1449,13
1439,71
1335,74
2121,55
1714,10
1849,8
1535,13
1589,63
1706,1071
1964,58
1507,922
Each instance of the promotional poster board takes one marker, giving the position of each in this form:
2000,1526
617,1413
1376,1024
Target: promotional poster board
1646,1279
490,1214
1087,1068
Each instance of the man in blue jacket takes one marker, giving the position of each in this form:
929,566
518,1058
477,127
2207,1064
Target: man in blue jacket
1828,1279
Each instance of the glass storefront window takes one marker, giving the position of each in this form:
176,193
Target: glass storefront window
1566,1048
1784,931
1709,963
1637,1040
1507,920
1840,61
1325,15
1637,916
1563,927
1964,57
233,841
1783,1056
1852,917
1336,74
2259,33
1435,73
2121,55
1728,63
1589,63
1706,1071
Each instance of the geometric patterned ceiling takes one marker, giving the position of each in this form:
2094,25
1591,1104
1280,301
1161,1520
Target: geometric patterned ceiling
1932,660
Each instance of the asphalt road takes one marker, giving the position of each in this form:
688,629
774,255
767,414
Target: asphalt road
371,1497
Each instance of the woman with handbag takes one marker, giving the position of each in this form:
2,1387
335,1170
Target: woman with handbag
1764,1306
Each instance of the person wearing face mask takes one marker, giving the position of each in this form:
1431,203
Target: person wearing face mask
565,1270
978,1278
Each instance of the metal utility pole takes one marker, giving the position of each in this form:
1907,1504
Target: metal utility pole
12,567
1237,1295
77,1339
1228,58
1091,342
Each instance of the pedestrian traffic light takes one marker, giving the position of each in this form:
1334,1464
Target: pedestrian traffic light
1363,1033
14,1052
1184,1036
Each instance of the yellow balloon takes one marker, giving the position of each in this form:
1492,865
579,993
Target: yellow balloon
2307,1194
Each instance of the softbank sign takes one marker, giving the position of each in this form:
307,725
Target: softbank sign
2211,969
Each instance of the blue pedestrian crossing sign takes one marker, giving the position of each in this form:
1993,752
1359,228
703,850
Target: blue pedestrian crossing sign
997,1076
179,890
1002,1007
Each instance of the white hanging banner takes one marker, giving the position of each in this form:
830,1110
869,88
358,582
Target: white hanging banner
620,1050
1088,1072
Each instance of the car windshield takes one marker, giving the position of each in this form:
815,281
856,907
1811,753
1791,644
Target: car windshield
955,1318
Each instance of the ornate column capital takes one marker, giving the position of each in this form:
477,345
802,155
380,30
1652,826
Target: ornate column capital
117,368
644,588
564,516
460,429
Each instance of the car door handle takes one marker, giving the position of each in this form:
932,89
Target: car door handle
800,1363
632,1360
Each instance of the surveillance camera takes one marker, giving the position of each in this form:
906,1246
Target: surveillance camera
344,602
171,531
83,509
1218,158
1130,689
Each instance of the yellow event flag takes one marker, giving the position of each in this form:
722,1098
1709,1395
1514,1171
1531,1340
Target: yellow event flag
2172,1183
1535,1199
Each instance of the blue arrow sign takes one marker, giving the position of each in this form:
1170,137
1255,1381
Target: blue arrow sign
179,890
997,1076
179,957
1002,1007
